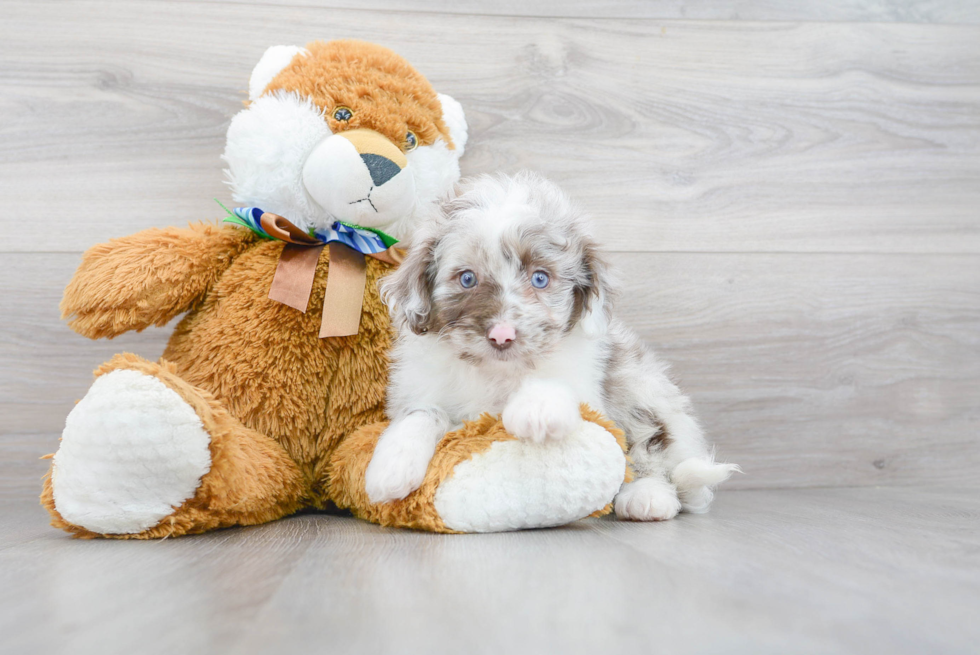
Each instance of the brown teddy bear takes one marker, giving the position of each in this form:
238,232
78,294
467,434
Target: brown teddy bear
269,395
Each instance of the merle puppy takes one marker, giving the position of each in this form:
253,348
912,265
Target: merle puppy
503,305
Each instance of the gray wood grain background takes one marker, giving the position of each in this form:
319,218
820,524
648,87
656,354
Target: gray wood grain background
790,192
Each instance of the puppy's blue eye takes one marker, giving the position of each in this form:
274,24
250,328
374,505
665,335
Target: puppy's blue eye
539,279
342,113
411,141
467,279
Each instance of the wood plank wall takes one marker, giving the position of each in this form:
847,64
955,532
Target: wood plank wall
790,192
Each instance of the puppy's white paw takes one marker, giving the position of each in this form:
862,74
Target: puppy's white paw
398,465
647,499
542,410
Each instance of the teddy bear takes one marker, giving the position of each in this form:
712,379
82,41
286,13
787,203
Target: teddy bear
269,397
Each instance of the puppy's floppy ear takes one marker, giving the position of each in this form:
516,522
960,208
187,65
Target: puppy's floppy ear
594,292
408,291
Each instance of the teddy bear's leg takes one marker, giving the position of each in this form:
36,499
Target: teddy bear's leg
482,479
144,455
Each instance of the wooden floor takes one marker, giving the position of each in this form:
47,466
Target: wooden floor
869,570
790,191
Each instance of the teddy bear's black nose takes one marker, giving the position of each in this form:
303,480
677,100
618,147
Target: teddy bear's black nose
381,168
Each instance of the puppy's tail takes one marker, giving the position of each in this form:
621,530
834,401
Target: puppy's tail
696,478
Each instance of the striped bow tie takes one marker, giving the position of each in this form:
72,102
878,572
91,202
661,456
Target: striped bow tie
347,274
365,240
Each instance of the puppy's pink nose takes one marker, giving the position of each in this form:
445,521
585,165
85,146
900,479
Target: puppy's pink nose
502,335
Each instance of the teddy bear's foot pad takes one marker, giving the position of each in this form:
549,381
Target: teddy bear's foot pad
132,452
519,484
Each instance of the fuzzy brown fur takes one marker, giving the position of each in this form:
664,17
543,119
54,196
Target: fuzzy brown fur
417,510
384,92
251,480
148,278
266,363
275,397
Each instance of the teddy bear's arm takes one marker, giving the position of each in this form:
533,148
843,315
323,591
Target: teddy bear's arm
148,278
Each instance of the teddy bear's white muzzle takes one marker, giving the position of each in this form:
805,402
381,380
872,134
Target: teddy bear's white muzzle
361,177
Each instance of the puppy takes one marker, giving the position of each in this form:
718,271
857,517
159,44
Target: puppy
503,305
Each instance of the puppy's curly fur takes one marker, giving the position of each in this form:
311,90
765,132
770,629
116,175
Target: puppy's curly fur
504,306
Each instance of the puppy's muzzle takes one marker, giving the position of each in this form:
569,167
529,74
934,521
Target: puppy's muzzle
502,336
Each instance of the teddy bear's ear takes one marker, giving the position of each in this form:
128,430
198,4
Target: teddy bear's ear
452,114
274,60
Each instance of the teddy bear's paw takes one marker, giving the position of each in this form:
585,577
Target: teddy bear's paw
132,452
541,410
518,484
647,499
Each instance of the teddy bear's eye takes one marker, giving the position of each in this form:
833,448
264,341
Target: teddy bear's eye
411,141
343,113
467,279
540,279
